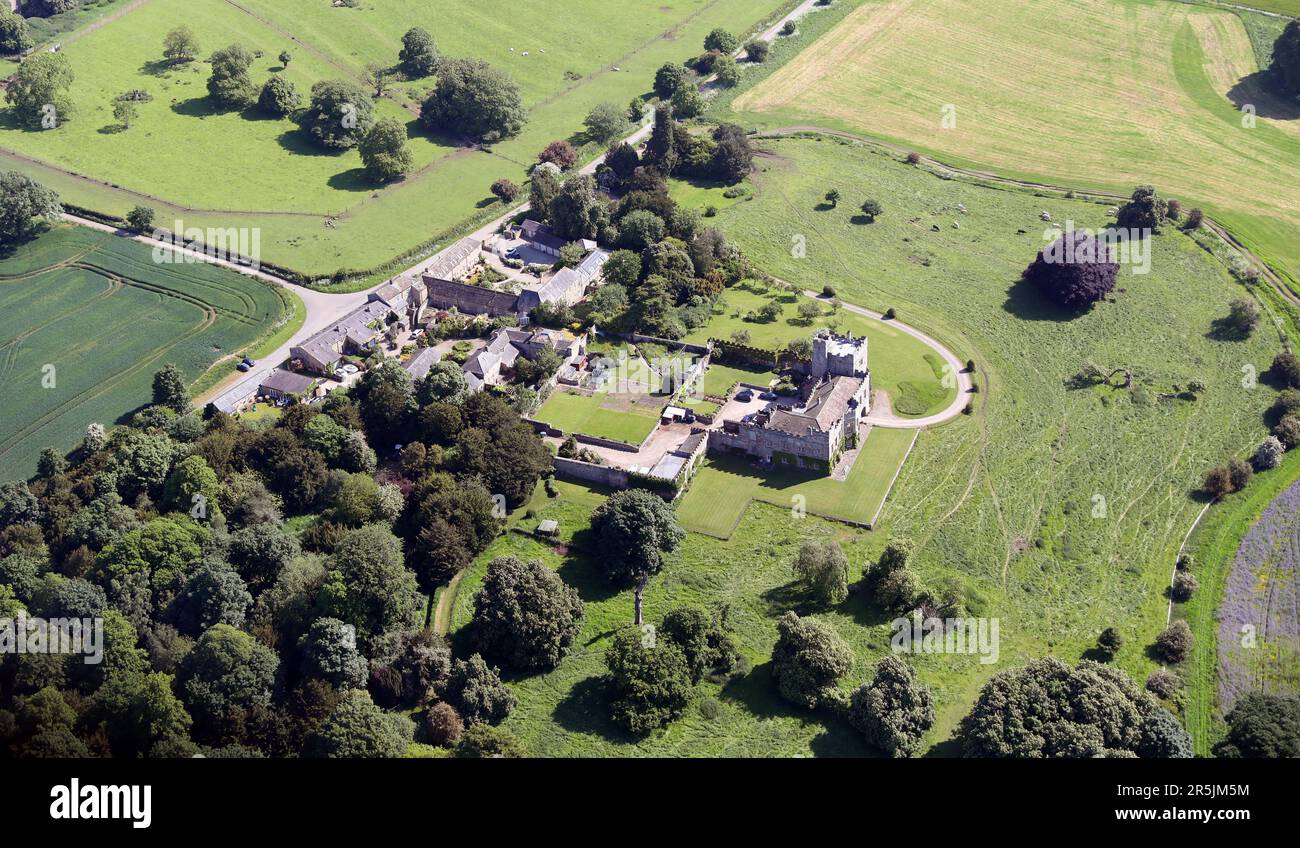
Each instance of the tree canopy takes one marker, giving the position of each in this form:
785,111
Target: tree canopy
473,99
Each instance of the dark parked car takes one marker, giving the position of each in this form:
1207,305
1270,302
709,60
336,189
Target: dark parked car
745,397
767,396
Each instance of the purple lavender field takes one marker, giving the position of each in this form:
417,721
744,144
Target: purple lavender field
1262,594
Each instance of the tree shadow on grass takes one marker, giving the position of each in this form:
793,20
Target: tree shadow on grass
1259,91
111,129
353,179
158,67
298,142
839,739
199,107
580,571
1024,302
1223,330
792,597
864,611
586,710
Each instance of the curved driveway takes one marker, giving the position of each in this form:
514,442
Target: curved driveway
963,379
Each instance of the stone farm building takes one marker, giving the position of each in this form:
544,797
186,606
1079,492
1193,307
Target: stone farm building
488,367
812,430
393,308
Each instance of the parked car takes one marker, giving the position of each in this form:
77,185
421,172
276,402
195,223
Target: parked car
350,369
767,396
243,366
745,396
249,362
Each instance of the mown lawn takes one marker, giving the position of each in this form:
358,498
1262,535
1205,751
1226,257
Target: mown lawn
900,364
719,379
722,489
625,418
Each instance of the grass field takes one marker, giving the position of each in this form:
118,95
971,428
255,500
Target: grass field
1000,502
623,417
723,488
900,364
99,315
1093,93
719,378
316,211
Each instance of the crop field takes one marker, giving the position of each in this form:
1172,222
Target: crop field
85,320
315,210
722,489
1090,93
622,417
900,364
1262,600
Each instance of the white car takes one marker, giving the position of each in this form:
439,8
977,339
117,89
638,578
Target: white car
350,369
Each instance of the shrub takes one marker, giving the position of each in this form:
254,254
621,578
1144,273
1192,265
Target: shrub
477,693
824,570
442,725
1269,453
650,682
1194,219
1184,586
278,97
871,209
1239,472
1048,709
1262,726
913,158
1174,643
140,219
828,291
711,708
807,661
893,711
1164,684
1218,482
722,41
559,153
788,28
1109,643
505,190
1163,738
1285,370
1145,210
756,50
482,741
890,314
1243,317
1287,404
1287,432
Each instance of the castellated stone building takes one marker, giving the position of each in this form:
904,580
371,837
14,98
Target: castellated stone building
813,429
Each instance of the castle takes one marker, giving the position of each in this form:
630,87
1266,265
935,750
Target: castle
814,428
